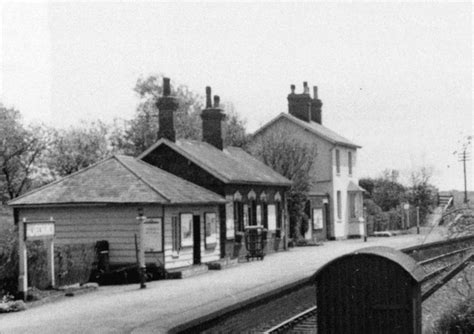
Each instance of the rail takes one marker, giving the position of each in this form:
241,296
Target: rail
288,324
453,268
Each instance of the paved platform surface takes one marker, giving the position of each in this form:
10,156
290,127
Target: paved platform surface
165,304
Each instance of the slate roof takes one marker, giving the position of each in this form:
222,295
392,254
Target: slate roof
119,179
355,187
232,165
314,128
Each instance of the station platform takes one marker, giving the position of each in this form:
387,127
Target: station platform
166,304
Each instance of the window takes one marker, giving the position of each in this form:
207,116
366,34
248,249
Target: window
352,205
175,235
258,214
338,162
349,158
272,217
339,205
265,215
186,229
239,216
246,215
278,211
210,229
253,212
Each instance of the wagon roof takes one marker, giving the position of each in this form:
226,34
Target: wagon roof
119,179
391,254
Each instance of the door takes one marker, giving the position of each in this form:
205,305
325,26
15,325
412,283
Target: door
327,218
196,240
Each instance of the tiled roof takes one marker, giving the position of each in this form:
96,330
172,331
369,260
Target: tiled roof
231,165
314,128
119,179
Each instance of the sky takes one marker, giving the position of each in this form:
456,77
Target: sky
394,77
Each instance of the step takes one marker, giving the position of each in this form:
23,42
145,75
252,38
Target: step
187,271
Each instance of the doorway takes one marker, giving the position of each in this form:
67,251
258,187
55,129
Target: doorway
196,239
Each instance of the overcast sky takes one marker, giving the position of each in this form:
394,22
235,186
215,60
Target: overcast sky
396,78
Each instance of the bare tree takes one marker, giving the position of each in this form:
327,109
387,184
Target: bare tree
294,160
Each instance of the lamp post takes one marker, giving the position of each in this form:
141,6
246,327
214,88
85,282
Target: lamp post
141,252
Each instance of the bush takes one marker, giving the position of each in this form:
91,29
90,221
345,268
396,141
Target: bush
460,319
73,263
8,261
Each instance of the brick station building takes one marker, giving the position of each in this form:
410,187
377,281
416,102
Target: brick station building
254,193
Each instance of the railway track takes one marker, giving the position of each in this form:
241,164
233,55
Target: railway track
435,266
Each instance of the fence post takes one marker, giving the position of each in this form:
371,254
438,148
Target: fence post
418,220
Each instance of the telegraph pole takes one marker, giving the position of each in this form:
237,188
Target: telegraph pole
463,156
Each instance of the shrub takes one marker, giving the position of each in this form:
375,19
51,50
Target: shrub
73,263
8,261
459,319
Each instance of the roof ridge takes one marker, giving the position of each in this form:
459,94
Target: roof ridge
119,159
60,179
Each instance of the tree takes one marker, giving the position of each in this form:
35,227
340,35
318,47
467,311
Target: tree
294,160
420,193
388,193
77,147
20,149
141,132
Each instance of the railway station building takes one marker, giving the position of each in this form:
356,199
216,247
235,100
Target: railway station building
254,193
335,205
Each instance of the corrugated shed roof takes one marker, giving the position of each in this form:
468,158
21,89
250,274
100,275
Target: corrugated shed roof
231,165
406,262
119,179
314,128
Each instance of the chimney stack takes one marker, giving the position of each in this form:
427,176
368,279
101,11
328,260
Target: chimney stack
299,105
212,121
316,104
167,106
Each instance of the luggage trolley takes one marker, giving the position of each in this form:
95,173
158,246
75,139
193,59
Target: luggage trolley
255,239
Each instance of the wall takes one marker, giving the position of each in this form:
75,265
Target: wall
185,256
341,182
118,225
322,168
85,224
273,242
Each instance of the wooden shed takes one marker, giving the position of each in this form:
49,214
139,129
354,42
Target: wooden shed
103,201
373,290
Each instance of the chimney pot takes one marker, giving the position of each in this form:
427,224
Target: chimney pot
315,92
166,87
305,88
212,122
292,89
217,100
208,97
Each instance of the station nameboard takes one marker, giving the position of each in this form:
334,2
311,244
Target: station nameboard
39,230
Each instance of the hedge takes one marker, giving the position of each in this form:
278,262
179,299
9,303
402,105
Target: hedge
73,263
